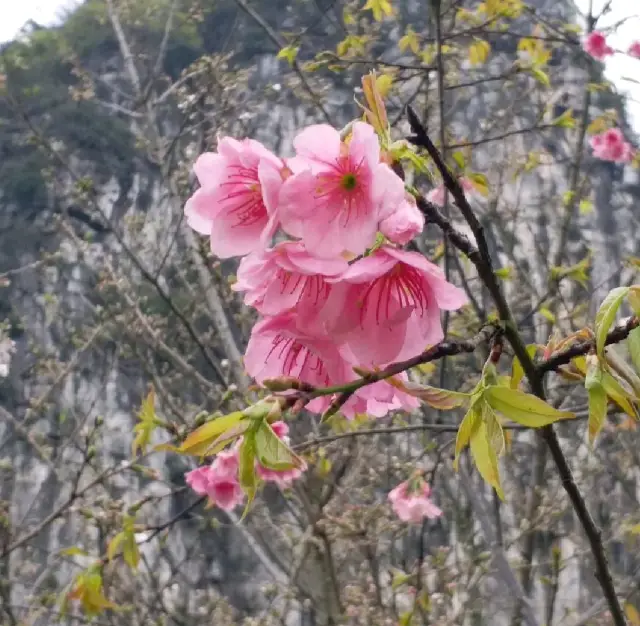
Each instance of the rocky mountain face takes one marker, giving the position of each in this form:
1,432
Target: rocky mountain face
104,291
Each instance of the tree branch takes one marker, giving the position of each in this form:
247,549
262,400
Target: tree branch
482,260
619,333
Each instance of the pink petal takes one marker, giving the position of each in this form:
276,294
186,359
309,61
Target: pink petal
229,240
207,168
319,142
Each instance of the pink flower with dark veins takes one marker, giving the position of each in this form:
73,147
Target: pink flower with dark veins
340,192
288,278
277,348
389,306
238,196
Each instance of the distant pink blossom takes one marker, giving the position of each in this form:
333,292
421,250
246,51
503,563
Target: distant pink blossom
634,50
405,223
277,347
611,146
238,196
339,192
218,481
283,478
411,501
287,277
389,304
437,195
595,44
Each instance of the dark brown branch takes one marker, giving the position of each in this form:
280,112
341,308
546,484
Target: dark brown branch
619,333
439,351
482,261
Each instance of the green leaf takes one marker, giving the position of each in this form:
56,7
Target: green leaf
524,408
485,458
201,439
566,120
585,207
227,438
443,399
130,551
633,344
247,471
379,8
405,618
577,272
546,313
597,397
409,41
607,314
458,157
146,425
479,52
634,530
634,299
517,372
272,452
618,393
289,53
541,76
632,614
468,426
115,544
74,551
506,273
479,182
400,578
494,429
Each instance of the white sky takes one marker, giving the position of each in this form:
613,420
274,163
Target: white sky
620,66
15,13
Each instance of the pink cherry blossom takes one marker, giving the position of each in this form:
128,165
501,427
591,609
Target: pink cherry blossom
405,223
378,399
226,462
225,492
437,195
218,483
411,501
198,479
238,196
611,146
389,306
283,478
337,201
634,50
595,44
287,277
277,347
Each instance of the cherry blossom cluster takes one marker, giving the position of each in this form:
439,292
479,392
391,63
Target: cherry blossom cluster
595,44
338,293
611,144
220,480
